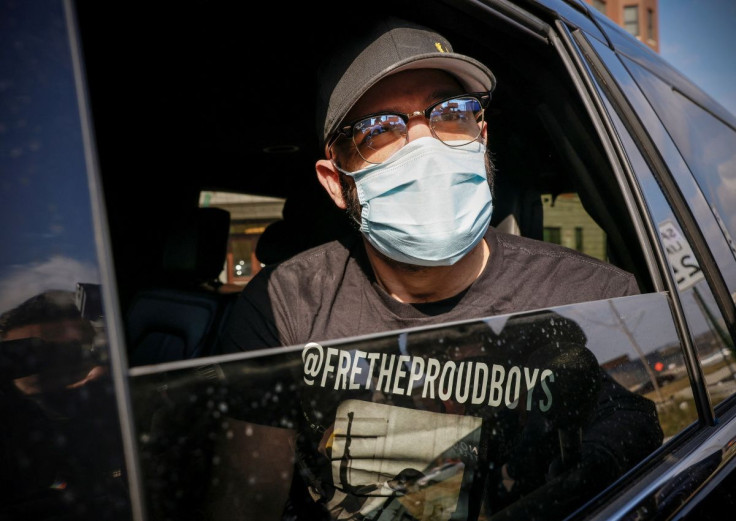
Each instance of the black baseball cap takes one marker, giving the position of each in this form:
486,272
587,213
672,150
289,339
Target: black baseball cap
388,46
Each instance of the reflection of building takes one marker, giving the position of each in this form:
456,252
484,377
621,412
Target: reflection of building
638,17
568,224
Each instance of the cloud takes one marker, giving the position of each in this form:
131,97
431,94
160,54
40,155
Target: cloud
58,272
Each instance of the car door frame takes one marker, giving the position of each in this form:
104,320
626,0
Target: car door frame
670,474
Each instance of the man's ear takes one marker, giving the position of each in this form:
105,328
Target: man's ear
329,178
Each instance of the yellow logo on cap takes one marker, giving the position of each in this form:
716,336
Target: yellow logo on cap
439,47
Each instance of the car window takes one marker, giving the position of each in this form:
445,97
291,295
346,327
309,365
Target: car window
710,154
62,446
708,328
524,390
250,215
521,415
212,433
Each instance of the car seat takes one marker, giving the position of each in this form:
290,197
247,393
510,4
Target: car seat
308,220
180,317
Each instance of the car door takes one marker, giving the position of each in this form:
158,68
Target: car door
662,123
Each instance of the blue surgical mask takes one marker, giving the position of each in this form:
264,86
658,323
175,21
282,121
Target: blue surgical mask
428,205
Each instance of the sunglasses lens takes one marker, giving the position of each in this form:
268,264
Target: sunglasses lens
455,121
378,137
374,139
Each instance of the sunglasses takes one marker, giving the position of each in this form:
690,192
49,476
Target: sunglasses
374,138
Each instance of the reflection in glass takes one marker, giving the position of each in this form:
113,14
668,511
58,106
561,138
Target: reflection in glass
707,145
62,454
714,346
517,415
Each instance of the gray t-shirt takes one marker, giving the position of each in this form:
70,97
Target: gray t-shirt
329,292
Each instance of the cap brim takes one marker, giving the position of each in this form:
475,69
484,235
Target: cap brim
473,75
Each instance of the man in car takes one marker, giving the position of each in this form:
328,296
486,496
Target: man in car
401,118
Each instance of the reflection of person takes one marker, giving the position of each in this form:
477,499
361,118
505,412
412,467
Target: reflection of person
401,118
53,318
50,378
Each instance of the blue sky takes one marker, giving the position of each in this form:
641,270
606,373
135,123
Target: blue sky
47,240
698,37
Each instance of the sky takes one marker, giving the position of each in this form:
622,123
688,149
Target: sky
698,37
50,243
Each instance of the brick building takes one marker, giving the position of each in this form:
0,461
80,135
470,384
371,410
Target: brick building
639,17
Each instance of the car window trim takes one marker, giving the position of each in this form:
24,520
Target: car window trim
626,179
507,13
113,325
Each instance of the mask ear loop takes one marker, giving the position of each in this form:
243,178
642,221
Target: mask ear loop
483,136
337,167
333,159
345,173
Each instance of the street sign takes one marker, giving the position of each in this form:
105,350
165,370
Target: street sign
684,265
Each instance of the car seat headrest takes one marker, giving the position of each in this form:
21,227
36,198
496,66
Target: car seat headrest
308,220
278,242
195,250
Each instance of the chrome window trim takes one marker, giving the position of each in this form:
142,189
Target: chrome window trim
113,314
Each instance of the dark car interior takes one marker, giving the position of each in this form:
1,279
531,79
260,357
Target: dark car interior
199,96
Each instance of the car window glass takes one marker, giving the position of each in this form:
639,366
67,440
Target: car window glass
62,452
708,330
699,207
523,390
710,336
708,146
